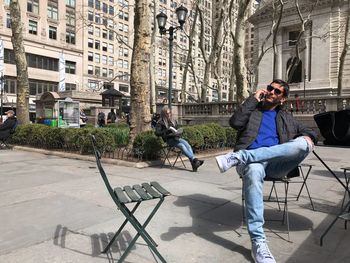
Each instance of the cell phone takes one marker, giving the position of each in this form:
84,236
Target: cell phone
262,96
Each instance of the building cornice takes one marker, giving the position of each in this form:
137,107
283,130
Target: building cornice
264,13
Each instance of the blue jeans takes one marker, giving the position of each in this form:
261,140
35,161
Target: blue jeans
275,161
183,145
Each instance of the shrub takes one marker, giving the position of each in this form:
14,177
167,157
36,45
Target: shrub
147,145
54,138
208,133
219,132
193,136
230,136
120,134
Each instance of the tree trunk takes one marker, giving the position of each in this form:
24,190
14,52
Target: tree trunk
22,110
189,57
238,52
139,82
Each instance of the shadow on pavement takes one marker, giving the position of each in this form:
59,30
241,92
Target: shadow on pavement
226,216
98,242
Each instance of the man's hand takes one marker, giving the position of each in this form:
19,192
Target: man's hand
260,94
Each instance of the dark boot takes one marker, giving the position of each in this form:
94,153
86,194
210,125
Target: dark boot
196,163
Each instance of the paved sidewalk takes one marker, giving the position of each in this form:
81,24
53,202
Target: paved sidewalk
55,209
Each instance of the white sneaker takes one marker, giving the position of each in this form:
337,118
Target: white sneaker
261,253
227,161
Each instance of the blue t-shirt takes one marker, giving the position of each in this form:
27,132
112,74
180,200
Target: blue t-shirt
267,135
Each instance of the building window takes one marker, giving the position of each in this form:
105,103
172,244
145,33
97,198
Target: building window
70,37
292,38
111,10
52,11
104,72
104,59
70,19
97,71
110,34
90,42
33,27
90,16
70,67
294,70
110,73
105,8
52,32
91,3
90,70
71,86
104,46
110,61
41,62
123,88
98,4
92,84
97,44
90,56
97,58
70,3
33,6
110,48
104,33
8,20
90,30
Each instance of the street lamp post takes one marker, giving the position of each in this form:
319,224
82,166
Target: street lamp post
181,13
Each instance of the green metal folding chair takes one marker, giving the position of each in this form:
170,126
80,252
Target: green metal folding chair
132,194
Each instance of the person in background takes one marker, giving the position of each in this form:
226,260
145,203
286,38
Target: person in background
101,119
111,117
269,142
83,119
8,125
299,105
166,127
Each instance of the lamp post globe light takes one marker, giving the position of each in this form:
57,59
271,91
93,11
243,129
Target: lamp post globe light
181,13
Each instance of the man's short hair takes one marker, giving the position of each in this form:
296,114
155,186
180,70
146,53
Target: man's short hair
284,84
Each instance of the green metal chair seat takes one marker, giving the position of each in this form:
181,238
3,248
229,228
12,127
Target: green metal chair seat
139,193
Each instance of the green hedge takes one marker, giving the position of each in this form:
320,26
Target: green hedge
146,145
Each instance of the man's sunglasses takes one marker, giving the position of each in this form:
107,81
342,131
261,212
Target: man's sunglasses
277,91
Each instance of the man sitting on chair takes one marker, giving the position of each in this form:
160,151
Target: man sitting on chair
166,127
269,142
8,125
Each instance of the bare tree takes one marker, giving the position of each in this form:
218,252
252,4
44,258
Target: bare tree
238,52
276,21
216,46
344,52
189,55
299,46
139,82
22,110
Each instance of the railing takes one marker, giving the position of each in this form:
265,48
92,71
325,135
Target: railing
212,108
311,105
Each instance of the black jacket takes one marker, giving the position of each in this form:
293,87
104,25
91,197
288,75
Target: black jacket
247,119
164,132
7,127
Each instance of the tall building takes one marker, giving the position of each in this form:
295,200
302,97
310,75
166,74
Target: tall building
49,28
96,38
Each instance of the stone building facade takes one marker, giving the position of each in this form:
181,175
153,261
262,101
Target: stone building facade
320,46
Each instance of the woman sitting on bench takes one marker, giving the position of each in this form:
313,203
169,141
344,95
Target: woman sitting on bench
167,128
